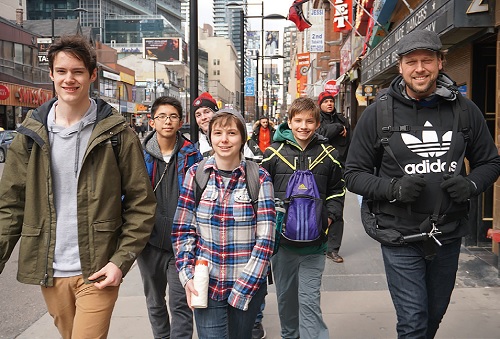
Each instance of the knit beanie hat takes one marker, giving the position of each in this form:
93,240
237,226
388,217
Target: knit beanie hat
323,96
232,112
204,100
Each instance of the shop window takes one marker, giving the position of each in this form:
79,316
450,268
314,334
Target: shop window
27,55
18,53
8,51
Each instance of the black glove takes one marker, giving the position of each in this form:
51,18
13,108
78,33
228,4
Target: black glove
407,188
459,188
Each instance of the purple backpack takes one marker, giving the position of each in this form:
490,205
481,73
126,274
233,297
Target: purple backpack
304,219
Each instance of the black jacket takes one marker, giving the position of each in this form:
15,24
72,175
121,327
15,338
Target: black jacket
332,124
366,154
328,173
168,185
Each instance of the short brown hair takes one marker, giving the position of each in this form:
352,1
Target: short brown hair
76,45
303,104
223,119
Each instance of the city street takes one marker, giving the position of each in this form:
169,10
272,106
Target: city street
355,300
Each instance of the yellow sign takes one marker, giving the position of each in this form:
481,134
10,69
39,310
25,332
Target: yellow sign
265,107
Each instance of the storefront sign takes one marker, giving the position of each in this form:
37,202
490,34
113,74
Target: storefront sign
342,15
332,87
441,16
317,31
303,64
16,95
43,47
4,92
31,96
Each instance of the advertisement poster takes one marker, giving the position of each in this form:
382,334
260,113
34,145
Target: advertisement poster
165,49
271,43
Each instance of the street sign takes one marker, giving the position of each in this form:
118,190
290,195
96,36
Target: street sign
332,87
249,86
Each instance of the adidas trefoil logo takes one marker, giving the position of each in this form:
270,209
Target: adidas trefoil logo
302,187
428,147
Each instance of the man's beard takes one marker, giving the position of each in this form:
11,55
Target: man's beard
427,88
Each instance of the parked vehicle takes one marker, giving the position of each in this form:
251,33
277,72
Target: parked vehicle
6,138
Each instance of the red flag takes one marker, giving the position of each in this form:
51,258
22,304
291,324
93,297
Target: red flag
296,15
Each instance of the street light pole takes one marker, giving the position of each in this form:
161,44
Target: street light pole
262,17
154,73
257,88
257,117
242,65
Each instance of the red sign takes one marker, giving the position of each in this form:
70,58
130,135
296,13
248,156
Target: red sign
342,15
4,92
332,87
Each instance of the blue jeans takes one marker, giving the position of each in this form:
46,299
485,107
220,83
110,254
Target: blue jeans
222,321
420,289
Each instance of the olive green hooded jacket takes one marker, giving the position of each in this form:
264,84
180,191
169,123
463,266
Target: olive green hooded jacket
116,204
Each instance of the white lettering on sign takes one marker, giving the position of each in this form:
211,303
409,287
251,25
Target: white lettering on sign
341,14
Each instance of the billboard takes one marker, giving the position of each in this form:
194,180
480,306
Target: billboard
165,49
271,43
253,43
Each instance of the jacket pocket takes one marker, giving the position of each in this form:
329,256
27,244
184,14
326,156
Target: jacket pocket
32,248
104,240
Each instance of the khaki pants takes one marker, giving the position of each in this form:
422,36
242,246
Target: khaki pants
80,311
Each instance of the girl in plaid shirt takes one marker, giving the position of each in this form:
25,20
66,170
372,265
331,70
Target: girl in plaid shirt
224,230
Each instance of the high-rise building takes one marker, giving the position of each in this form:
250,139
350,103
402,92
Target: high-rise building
100,10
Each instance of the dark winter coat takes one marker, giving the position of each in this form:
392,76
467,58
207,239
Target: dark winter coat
331,127
185,154
366,154
328,173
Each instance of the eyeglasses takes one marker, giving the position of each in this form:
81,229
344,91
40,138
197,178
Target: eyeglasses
163,118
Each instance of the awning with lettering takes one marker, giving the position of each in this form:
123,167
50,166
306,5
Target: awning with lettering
453,20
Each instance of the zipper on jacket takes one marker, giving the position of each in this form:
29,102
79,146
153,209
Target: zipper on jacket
44,282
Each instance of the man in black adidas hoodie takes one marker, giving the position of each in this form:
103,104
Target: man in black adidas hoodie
407,187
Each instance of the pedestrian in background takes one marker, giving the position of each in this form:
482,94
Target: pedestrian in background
204,108
75,191
168,156
298,266
224,230
408,198
263,133
261,139
334,126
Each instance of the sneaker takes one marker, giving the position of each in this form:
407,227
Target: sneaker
334,256
258,331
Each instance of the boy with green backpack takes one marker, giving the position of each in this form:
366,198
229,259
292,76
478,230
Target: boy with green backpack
307,178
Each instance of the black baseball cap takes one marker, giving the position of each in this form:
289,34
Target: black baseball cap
419,39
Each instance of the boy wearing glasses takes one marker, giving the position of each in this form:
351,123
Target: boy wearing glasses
168,156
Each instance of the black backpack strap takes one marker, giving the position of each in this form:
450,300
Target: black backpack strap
460,108
253,182
385,128
200,180
30,143
115,143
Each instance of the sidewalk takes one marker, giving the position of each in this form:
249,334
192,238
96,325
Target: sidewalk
355,300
